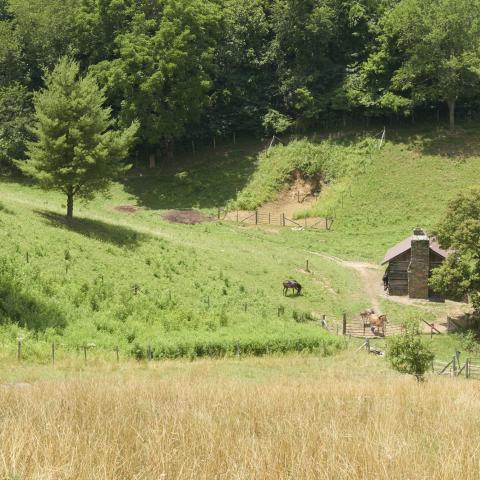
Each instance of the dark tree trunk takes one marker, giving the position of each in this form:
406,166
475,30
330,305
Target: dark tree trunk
151,160
69,205
451,111
169,149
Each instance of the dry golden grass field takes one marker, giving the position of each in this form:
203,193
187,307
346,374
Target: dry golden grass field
296,417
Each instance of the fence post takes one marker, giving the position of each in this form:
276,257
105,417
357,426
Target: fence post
149,352
237,216
219,213
237,347
457,355
53,353
307,269
467,368
269,215
283,219
344,324
117,352
85,353
454,366
367,344
19,349
256,217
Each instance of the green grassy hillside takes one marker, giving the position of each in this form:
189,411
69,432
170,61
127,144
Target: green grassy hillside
134,280
408,183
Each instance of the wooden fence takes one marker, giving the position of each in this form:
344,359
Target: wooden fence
357,328
260,217
466,321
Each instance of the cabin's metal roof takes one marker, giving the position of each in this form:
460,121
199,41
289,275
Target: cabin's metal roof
406,245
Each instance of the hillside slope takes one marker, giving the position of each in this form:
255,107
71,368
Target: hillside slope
133,279
408,183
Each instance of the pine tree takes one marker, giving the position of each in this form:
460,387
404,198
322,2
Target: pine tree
76,151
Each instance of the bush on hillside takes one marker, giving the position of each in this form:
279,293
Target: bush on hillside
408,353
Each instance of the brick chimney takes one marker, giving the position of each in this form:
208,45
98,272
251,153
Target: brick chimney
419,265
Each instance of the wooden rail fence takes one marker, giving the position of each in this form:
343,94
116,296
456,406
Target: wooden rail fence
260,217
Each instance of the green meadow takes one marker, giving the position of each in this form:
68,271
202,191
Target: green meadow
137,282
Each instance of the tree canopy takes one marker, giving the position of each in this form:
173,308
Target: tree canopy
193,69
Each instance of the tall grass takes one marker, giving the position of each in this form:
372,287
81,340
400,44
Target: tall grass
199,425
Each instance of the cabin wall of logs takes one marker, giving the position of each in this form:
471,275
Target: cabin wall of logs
398,274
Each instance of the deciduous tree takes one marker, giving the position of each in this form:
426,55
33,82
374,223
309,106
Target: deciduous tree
460,231
408,353
429,51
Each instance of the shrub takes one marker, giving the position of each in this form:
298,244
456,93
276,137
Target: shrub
469,341
408,353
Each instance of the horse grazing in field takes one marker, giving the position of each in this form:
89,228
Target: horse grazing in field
291,284
378,322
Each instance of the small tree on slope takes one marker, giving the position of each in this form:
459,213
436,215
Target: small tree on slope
75,151
408,353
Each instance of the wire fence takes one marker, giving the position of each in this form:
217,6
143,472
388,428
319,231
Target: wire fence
456,367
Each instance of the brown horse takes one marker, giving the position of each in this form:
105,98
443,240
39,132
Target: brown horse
291,284
378,321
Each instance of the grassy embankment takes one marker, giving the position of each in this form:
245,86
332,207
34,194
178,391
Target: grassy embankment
376,196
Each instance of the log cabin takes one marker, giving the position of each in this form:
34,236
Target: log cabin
410,264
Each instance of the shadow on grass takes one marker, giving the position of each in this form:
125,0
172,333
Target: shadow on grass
27,311
96,229
207,181
6,210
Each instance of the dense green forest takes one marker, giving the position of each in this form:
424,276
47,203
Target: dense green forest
190,70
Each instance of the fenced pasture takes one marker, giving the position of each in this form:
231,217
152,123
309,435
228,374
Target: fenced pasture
274,218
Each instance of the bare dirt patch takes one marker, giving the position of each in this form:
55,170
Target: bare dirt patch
186,217
297,195
127,208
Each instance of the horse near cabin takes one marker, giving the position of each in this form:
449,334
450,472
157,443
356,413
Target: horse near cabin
291,284
375,322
